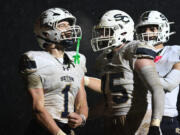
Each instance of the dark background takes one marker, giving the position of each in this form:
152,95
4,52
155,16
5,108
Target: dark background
16,35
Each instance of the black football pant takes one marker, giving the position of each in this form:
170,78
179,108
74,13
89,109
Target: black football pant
34,128
170,126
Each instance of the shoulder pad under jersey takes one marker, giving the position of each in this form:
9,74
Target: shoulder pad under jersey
31,61
83,62
144,50
175,50
27,64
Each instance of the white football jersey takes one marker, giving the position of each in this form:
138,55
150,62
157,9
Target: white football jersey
118,75
170,56
61,82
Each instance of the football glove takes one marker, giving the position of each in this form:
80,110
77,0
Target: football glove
154,130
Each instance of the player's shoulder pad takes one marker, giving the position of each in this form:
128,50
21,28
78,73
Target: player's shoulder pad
175,48
175,51
27,63
143,50
82,57
31,61
82,60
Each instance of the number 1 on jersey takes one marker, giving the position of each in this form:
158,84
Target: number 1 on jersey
65,92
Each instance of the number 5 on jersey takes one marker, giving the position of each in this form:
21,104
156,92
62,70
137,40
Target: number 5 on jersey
118,92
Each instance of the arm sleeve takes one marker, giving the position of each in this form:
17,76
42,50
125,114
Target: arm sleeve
149,75
171,80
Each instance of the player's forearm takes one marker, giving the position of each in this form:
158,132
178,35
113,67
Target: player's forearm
157,106
47,121
81,106
83,110
93,83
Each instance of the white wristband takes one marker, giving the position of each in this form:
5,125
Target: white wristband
83,120
86,80
61,133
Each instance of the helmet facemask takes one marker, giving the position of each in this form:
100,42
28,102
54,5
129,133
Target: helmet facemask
72,33
102,38
153,37
67,37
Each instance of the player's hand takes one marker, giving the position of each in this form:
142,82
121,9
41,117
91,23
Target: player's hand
74,120
154,130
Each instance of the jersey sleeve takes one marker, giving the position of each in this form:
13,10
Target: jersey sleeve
144,51
28,68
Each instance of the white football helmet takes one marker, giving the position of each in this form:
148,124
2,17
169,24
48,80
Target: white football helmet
115,28
47,32
153,18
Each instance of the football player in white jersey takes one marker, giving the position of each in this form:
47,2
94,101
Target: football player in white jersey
122,61
54,81
153,27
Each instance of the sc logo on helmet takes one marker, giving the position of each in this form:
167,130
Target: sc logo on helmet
120,17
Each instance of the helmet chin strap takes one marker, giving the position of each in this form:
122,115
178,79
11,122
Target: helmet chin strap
67,43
